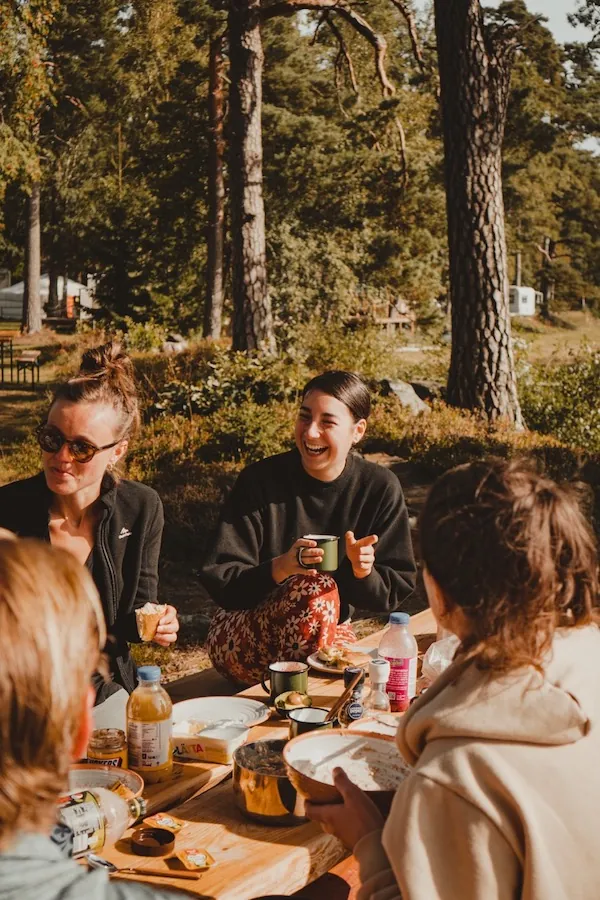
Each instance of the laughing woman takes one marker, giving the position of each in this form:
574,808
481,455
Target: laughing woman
273,605
113,526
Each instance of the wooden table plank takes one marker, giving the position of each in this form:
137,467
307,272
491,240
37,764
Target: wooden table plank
254,859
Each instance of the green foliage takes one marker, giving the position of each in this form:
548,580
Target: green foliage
124,129
249,432
228,380
144,336
564,400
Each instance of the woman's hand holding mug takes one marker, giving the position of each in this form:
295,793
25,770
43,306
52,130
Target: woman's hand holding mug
288,564
361,553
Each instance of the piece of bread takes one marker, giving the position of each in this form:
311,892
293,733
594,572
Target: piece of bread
340,657
148,617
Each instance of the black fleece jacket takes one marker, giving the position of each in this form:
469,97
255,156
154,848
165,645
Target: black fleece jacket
275,501
123,562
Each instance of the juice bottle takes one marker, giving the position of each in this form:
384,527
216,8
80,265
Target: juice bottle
399,648
149,727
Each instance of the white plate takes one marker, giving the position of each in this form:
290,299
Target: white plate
314,661
228,710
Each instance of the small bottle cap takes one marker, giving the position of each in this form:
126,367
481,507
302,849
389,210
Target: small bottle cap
379,670
399,619
350,672
149,673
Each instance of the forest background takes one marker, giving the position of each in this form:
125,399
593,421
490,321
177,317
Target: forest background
121,135
115,128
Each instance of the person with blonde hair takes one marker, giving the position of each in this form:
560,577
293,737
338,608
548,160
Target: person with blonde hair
111,525
53,631
502,801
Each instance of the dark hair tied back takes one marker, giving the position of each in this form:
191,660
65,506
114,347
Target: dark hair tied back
346,387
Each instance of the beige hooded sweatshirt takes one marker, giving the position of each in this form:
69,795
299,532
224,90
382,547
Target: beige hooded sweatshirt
504,799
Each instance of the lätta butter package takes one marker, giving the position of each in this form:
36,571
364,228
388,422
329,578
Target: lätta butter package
212,744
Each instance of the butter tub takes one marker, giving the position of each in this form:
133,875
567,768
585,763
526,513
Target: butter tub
216,745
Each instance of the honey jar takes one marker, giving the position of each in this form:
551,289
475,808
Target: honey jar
108,747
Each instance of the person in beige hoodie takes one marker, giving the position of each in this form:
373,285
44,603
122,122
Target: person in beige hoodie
503,800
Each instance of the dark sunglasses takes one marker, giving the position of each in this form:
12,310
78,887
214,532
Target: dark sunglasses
51,440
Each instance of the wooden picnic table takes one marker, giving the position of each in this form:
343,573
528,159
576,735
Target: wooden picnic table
252,859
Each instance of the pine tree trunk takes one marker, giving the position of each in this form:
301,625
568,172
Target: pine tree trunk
32,301
213,309
474,83
53,308
252,318
547,285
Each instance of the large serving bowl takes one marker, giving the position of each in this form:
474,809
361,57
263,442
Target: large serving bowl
373,763
89,776
262,788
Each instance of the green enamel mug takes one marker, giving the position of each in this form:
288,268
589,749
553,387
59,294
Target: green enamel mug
328,543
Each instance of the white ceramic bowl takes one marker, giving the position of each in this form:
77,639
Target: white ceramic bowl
374,763
87,775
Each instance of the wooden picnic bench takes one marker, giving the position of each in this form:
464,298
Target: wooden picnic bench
28,360
251,859
6,347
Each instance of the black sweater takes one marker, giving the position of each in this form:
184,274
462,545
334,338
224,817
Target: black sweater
124,560
275,501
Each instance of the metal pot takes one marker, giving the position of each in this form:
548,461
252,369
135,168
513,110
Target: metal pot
267,798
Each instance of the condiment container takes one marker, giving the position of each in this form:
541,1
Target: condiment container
108,747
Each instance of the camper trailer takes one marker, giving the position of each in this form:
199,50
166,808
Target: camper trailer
79,301
522,301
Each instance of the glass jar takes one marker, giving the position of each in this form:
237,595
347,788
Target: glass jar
108,747
353,707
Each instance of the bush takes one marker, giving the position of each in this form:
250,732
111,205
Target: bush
564,400
228,380
449,437
143,336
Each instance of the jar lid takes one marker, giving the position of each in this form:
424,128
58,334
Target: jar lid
350,672
107,739
152,841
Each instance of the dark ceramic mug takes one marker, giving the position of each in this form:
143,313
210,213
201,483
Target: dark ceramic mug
309,718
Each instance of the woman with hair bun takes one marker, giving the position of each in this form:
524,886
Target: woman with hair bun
113,526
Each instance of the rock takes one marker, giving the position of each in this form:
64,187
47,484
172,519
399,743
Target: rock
174,343
406,394
428,390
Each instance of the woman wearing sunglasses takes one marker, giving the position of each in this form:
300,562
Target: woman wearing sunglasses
111,525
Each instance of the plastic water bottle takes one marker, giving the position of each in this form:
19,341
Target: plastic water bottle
377,700
97,817
399,648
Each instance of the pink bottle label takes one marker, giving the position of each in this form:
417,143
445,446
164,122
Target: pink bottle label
402,684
